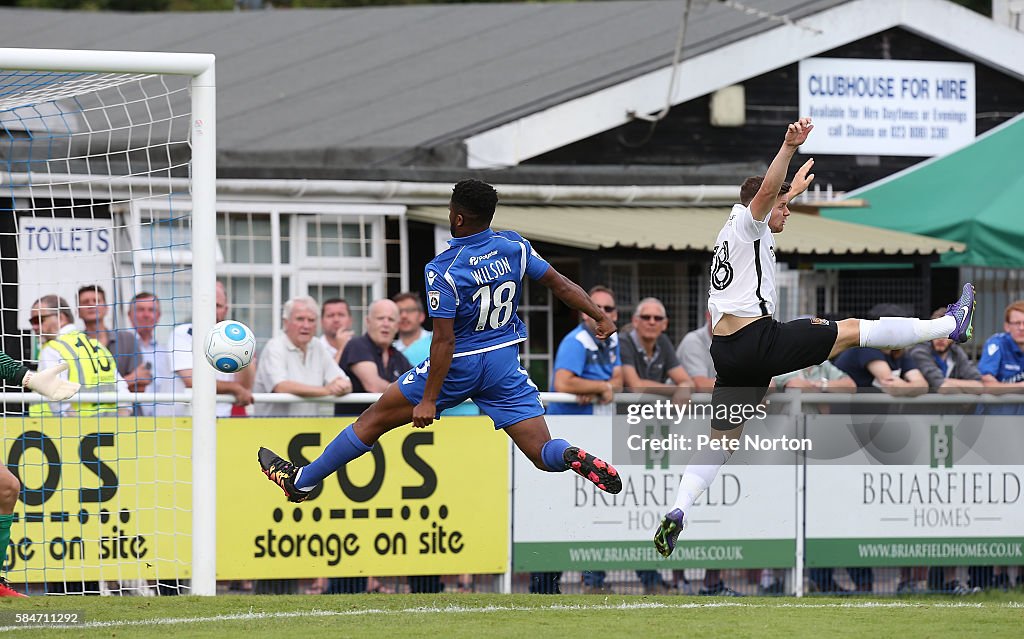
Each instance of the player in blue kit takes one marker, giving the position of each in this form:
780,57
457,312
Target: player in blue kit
473,292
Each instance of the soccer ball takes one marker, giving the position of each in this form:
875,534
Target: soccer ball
229,346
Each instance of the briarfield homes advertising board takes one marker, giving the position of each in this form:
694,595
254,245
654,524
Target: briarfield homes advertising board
746,519
906,490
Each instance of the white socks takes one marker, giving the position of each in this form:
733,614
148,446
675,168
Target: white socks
701,471
900,332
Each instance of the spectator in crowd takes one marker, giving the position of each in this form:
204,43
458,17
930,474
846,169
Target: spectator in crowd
293,362
89,362
1002,360
336,324
588,368
144,314
413,340
945,365
694,355
649,364
238,384
92,310
373,363
371,360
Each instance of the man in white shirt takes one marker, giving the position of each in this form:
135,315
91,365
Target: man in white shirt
694,355
294,362
238,384
144,313
749,347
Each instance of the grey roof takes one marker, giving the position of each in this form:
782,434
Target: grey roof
369,86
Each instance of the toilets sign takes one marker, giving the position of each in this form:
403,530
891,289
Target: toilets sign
58,255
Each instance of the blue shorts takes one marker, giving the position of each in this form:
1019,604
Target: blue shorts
494,380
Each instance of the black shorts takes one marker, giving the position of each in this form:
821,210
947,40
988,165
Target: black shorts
747,360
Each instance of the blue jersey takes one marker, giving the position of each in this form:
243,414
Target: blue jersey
1002,358
478,282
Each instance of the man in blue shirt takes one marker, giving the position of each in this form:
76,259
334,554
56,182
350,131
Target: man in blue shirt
586,366
473,291
1002,360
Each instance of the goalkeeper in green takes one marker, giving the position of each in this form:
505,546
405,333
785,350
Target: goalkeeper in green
48,384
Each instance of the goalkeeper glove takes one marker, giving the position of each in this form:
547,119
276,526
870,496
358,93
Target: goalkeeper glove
48,383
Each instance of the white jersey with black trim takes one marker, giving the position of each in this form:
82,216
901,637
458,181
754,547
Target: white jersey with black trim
743,268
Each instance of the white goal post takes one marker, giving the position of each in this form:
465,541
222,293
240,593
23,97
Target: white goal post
202,171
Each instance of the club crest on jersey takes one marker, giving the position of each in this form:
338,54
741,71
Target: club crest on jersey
434,297
818,320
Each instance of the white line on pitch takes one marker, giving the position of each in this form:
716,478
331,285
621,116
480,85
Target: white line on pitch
250,616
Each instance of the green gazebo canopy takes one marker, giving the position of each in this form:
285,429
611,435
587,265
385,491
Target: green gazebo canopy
974,195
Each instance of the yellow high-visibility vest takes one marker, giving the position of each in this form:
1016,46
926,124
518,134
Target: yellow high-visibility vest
90,364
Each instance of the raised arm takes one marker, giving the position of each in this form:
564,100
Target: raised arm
801,180
764,200
576,298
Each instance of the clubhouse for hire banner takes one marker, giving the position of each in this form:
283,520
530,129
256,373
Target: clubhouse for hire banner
746,519
422,502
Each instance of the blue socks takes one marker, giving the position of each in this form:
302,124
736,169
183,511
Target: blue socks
342,449
552,453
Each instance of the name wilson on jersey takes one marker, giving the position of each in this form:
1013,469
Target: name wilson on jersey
492,271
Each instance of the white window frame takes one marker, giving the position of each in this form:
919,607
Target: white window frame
300,238
360,270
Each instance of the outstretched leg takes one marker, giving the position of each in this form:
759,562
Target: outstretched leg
556,455
389,412
900,332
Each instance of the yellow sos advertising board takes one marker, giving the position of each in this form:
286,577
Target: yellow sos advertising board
102,498
422,502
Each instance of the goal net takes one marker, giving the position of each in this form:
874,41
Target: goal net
98,210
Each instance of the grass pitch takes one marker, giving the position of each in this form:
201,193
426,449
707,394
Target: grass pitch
524,616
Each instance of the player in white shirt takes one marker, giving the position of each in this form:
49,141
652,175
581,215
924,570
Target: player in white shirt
749,347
